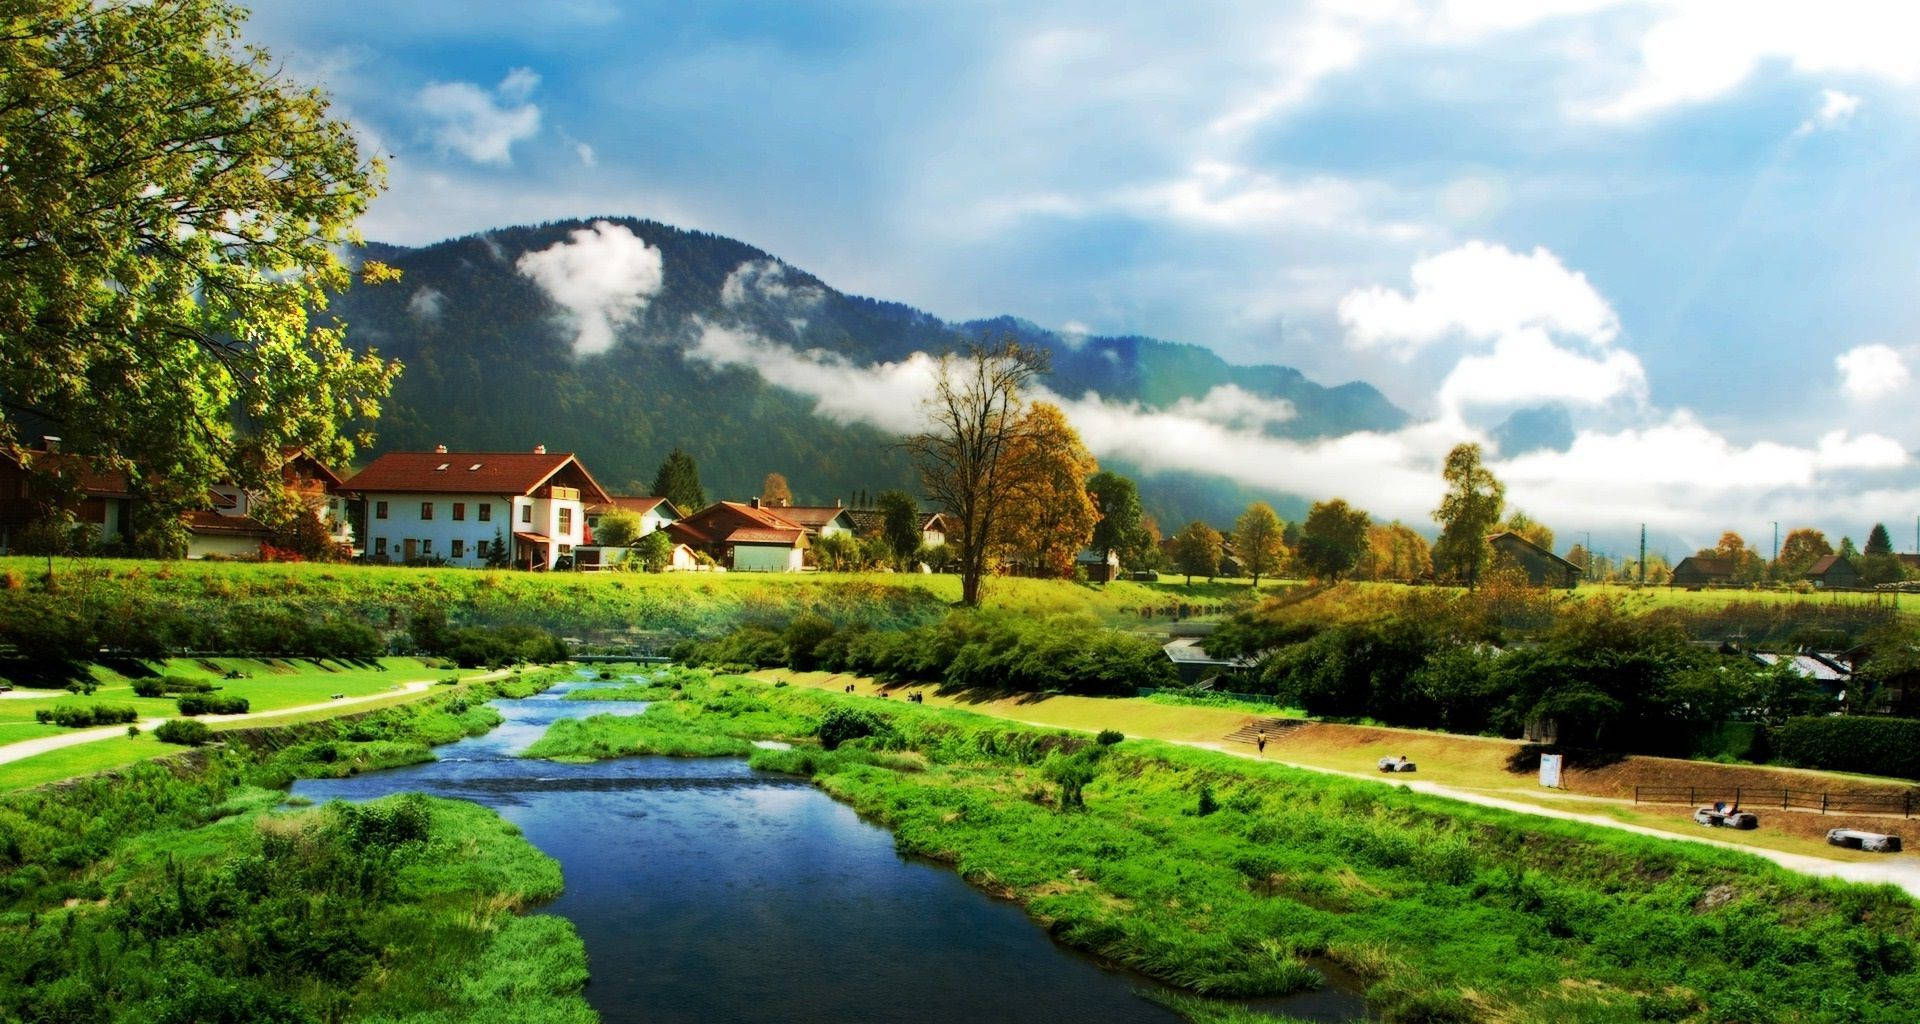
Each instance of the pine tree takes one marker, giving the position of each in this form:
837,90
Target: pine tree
678,481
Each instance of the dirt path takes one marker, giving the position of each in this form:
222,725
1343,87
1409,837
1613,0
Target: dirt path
29,748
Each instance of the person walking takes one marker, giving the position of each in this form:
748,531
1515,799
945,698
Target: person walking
1260,741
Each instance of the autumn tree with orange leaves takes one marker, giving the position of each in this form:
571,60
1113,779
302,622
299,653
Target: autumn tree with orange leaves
1049,515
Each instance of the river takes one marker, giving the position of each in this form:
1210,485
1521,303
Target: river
707,892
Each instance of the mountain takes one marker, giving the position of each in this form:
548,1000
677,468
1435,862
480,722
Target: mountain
490,365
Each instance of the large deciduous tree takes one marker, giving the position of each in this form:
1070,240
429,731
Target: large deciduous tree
1257,543
774,490
1466,514
973,422
1049,516
1396,552
1333,538
899,523
1196,551
1524,525
1801,548
172,218
1732,548
1123,523
678,481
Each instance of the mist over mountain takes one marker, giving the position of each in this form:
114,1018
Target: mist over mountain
597,337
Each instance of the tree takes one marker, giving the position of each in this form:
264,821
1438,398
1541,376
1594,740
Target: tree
174,216
678,481
655,551
1466,514
618,528
1196,551
1396,552
1520,523
1732,548
294,519
1877,564
1049,516
1123,522
1801,548
1256,540
1149,556
973,419
899,523
774,491
1878,541
1333,538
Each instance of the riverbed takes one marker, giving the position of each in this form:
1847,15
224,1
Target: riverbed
706,891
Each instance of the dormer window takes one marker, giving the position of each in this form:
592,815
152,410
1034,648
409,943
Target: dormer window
442,468
473,467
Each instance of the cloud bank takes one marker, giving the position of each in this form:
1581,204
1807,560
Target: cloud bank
603,276
479,124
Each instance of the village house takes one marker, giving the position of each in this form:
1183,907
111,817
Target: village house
1833,571
104,500
655,513
1702,571
936,528
1100,566
463,508
744,538
818,520
1196,667
1543,567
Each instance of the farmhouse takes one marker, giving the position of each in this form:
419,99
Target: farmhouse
745,538
937,528
1702,571
1543,567
526,509
654,513
1834,571
1100,566
105,502
230,528
817,520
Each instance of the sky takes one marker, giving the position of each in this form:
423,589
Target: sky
1692,224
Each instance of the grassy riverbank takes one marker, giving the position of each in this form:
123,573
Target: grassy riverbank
1230,877
186,891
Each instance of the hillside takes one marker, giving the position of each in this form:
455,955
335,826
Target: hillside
490,364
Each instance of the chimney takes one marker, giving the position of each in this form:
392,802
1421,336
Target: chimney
440,449
754,502
50,444
836,503
539,449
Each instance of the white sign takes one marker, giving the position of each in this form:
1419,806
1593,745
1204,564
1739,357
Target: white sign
1550,770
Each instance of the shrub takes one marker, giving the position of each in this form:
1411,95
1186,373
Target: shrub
1878,746
183,732
212,704
76,716
1109,737
839,725
160,686
1206,804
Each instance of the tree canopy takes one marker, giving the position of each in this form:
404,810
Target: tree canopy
1333,538
774,490
1196,551
1801,548
174,213
1257,543
678,481
1049,516
1123,523
899,522
1466,514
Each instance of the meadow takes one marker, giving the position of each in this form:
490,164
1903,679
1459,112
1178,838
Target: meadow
1229,877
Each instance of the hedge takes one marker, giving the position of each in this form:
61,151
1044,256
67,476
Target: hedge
1877,746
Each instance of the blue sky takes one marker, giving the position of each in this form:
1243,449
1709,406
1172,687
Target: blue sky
1698,218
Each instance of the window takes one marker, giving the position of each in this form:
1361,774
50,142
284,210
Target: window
379,510
379,545
426,511
459,511
486,511
526,513
459,546
426,546
566,520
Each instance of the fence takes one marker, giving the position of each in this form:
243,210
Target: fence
1802,799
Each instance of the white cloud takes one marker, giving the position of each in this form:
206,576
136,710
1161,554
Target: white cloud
765,282
1836,109
1526,367
1478,291
425,303
603,276
482,125
1701,50
1872,372
885,395
585,153
1229,405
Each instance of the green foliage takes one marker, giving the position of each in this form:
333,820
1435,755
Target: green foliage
1109,737
161,686
184,732
1466,515
77,716
173,219
212,704
1877,746
1332,539
1257,541
1122,526
618,528
1196,551
839,725
900,523
655,551
678,481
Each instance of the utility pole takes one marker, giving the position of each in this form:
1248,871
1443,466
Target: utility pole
1586,570
1776,540
1643,554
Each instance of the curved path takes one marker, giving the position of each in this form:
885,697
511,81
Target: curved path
28,748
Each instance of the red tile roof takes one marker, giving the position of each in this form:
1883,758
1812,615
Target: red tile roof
760,535
92,481
724,521
507,473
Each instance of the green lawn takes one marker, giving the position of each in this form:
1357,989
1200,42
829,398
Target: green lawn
268,684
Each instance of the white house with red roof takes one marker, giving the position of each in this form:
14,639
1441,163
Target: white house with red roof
456,506
745,538
654,513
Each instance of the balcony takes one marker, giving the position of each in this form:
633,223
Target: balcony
558,493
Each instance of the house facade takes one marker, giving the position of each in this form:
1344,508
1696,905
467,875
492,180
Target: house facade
744,537
1100,566
104,501
526,509
1702,571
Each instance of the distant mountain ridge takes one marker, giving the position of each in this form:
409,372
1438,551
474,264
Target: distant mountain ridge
490,365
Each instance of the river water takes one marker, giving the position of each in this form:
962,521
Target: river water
708,892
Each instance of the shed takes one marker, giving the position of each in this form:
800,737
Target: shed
1543,567
1702,571
1834,571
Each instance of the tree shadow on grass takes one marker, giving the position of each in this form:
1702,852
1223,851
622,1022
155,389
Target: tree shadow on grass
1526,760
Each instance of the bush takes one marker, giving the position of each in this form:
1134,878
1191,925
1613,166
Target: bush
184,732
76,716
212,704
1877,746
839,725
1109,737
160,686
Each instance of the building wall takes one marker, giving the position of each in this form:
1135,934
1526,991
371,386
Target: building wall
225,545
766,558
434,538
